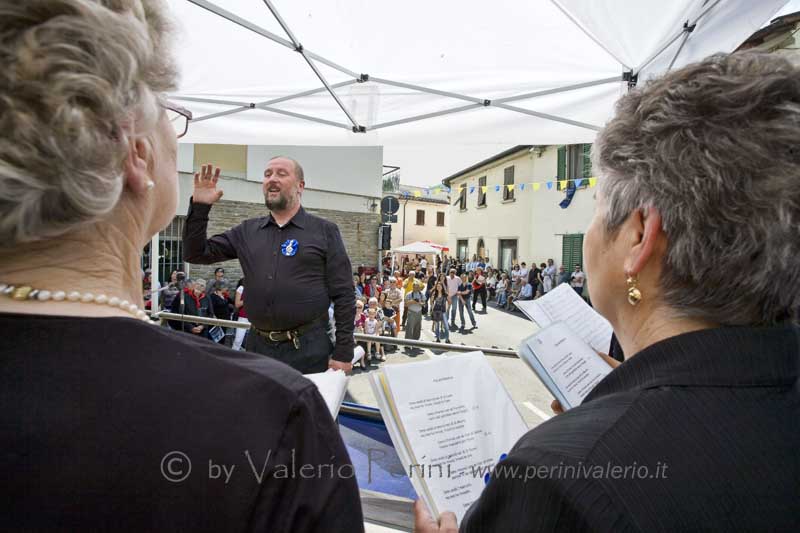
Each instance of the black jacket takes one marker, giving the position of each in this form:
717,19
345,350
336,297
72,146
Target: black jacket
699,432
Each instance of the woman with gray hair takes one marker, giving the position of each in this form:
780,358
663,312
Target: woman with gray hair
104,413
698,429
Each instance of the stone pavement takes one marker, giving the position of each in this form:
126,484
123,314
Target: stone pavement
496,328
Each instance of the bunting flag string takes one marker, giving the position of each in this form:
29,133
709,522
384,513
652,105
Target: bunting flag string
563,185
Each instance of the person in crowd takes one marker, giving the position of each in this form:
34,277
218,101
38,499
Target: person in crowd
515,276
238,304
549,274
374,326
373,288
503,288
360,317
413,306
390,326
96,396
525,293
453,283
384,325
563,275
429,285
189,303
491,283
358,289
219,276
712,361
169,291
147,287
465,300
291,330
487,264
394,297
218,307
577,279
523,271
479,289
535,278
408,286
423,264
439,305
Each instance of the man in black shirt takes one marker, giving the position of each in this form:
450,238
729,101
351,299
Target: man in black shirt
295,264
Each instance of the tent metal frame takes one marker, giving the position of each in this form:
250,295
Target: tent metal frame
312,59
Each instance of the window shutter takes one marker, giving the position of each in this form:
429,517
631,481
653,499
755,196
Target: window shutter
587,161
562,163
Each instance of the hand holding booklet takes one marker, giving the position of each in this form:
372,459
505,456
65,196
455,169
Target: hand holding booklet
564,362
332,386
450,420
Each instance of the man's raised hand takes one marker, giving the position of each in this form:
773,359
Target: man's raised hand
205,185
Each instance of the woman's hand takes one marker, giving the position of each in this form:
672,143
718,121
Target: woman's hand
424,522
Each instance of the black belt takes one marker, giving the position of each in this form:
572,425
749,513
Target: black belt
291,334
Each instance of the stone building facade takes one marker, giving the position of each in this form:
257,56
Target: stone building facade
359,231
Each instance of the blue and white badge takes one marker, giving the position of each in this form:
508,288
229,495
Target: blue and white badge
289,248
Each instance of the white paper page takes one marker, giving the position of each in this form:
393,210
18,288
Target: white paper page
358,353
563,304
459,419
569,362
332,385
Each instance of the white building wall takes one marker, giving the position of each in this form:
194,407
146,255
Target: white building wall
429,232
534,219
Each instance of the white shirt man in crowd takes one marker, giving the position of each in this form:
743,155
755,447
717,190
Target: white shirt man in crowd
453,283
577,279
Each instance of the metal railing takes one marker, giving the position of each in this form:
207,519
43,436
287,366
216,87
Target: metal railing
397,341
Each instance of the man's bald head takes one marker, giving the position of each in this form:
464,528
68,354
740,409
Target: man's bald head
298,169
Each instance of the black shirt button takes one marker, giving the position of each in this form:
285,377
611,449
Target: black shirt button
274,253
269,277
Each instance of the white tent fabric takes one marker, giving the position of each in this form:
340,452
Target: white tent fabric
418,247
479,51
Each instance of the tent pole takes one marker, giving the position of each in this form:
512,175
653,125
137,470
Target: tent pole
306,117
685,29
221,114
558,90
424,116
589,35
686,35
299,48
549,117
413,87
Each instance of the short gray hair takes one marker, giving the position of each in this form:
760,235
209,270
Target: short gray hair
76,75
714,147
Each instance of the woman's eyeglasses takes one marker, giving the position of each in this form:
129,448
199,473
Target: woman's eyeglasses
178,117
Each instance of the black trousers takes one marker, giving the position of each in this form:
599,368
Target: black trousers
482,294
311,357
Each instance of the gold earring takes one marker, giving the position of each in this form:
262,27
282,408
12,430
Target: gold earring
634,294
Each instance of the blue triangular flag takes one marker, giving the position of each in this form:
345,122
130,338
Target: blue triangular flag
496,188
522,186
471,190
549,185
578,182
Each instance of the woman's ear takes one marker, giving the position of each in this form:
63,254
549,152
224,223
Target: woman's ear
644,226
137,168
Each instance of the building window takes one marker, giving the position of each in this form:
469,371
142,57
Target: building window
420,217
571,251
507,253
482,192
508,179
440,218
170,250
574,162
462,248
462,197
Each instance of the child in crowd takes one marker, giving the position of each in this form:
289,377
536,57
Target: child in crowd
373,326
440,304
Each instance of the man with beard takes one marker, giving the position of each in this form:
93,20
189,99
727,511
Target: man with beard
295,264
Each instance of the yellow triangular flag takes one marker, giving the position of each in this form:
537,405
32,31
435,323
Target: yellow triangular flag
592,182
417,194
510,187
562,184
536,186
483,189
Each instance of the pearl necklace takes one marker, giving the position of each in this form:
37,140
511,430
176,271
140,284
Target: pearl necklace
29,293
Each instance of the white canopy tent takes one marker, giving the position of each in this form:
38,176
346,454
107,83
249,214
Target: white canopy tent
457,79
440,84
422,248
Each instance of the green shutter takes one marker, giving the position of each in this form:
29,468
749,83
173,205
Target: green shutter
587,161
562,163
572,251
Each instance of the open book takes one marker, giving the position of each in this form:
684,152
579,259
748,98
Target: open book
450,420
563,304
332,385
564,362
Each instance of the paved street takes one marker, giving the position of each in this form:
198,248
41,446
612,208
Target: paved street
496,328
